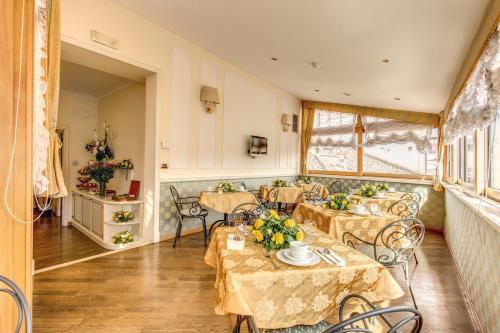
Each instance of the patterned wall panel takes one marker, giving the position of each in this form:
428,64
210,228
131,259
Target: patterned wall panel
475,246
431,212
432,205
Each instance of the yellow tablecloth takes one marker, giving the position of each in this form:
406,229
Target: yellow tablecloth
336,222
383,204
247,283
308,187
289,194
226,202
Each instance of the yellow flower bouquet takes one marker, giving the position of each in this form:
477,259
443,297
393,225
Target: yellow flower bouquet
338,201
123,216
278,182
275,232
368,190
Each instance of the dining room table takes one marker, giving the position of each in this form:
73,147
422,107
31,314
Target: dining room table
336,223
277,295
383,203
286,194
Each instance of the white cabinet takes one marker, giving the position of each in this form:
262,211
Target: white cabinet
97,218
77,208
93,216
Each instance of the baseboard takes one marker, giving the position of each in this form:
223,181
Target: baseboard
183,233
468,300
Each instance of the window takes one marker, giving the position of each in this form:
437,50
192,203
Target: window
449,163
333,142
466,159
493,154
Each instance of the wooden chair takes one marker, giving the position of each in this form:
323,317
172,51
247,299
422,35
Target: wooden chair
24,314
189,208
390,319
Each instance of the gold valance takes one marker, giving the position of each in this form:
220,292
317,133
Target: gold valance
424,118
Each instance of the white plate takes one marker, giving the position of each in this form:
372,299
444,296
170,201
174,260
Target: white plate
391,191
288,253
379,197
314,260
359,213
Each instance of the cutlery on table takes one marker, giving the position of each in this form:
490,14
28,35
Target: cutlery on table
334,256
324,257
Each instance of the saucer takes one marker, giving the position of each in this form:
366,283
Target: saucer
365,213
379,197
314,260
391,190
288,254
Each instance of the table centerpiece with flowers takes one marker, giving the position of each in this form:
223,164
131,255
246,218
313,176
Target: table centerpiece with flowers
382,186
225,187
368,190
338,201
274,231
103,172
278,182
307,179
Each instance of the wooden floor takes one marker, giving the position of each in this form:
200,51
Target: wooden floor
54,244
159,289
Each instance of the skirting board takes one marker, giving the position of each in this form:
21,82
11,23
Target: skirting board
468,300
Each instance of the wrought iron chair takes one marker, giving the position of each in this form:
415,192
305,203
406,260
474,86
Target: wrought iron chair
239,184
393,246
189,208
271,199
337,187
245,213
24,314
412,196
404,208
390,319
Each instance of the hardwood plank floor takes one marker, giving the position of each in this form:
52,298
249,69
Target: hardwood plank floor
159,289
54,244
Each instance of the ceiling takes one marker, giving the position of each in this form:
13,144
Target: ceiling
425,42
89,81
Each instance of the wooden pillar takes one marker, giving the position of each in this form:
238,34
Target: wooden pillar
15,237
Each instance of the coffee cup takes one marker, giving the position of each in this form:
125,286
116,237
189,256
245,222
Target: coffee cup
391,190
359,209
299,249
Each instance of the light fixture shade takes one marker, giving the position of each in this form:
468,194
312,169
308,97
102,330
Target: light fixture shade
209,94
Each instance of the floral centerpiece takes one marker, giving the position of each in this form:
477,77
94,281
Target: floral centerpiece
126,164
307,179
278,182
102,172
100,147
338,201
368,190
123,237
382,186
123,216
275,232
225,187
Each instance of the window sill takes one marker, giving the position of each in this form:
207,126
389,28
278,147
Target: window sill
488,209
383,179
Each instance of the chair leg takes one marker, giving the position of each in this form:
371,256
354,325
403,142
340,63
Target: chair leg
415,255
178,232
204,224
408,284
237,326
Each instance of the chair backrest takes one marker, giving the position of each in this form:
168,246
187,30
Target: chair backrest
24,313
245,213
193,207
271,199
393,319
412,196
337,187
311,196
404,208
396,242
176,197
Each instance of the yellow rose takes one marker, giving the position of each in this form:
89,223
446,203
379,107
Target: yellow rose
290,223
349,206
258,224
370,193
250,228
299,235
279,238
273,213
324,205
344,202
258,235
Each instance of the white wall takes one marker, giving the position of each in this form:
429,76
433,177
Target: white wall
196,144
124,111
78,116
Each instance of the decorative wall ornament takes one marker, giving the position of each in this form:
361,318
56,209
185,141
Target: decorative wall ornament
209,96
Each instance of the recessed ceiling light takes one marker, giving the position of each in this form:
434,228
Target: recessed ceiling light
385,60
397,98
346,94
315,64
316,90
274,58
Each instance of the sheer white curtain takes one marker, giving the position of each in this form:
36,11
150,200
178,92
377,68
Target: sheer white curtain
334,129
477,105
380,131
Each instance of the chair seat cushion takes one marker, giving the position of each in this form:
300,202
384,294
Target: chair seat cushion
186,212
318,328
383,253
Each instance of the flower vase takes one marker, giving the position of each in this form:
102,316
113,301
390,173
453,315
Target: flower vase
102,189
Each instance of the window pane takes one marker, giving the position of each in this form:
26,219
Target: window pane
400,158
494,154
333,142
469,159
449,162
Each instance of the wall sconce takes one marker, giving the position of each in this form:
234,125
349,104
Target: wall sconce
286,121
209,96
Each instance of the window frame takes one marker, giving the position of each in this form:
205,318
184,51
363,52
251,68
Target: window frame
359,129
489,191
